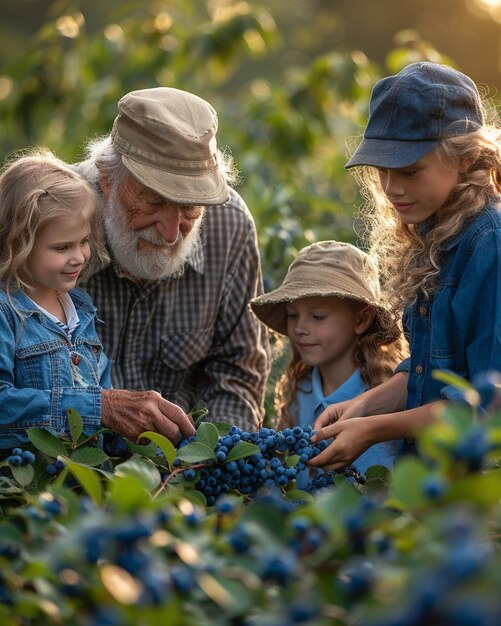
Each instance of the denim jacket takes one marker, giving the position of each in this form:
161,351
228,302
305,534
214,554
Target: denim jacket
42,373
458,328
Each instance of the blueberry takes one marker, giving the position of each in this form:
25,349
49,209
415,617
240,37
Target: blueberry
189,474
225,506
52,506
278,566
28,457
358,578
434,487
182,579
239,540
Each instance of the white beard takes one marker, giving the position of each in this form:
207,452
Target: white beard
137,259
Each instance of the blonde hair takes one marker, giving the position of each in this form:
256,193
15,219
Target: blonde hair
378,351
409,256
37,188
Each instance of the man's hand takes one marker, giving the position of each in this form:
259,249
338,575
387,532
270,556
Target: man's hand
131,413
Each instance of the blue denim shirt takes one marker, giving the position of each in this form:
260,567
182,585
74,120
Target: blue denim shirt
311,402
459,327
42,373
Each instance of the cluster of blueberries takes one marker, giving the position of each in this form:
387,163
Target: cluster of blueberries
55,468
268,467
18,456
21,457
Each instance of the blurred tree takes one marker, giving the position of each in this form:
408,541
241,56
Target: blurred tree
287,131
287,128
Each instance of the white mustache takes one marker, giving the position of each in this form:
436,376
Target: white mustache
152,236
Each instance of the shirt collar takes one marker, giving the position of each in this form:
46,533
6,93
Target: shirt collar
351,387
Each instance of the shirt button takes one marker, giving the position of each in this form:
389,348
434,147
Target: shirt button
76,359
422,310
419,369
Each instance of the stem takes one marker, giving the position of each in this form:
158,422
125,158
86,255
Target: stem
174,472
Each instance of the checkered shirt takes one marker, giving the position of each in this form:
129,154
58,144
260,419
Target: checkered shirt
193,337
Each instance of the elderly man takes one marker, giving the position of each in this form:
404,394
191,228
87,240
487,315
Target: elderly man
184,266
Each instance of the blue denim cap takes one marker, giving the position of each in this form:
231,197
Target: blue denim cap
412,111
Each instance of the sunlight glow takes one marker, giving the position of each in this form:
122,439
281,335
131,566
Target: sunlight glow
491,7
490,3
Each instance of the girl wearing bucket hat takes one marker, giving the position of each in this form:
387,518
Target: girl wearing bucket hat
343,338
431,178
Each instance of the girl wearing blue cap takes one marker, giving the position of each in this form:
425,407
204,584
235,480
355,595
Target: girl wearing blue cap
431,177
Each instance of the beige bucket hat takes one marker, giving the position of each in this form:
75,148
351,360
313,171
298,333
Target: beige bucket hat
326,268
167,138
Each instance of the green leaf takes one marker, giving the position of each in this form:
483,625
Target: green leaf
408,476
143,469
46,442
199,408
482,489
223,428
207,433
195,453
292,460
460,417
150,449
197,497
241,451
23,474
89,456
451,378
128,493
299,494
76,424
198,412
8,485
88,478
163,443
379,472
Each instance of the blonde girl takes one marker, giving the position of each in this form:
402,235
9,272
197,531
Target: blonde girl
431,177
51,357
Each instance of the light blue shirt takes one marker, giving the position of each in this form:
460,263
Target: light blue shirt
310,404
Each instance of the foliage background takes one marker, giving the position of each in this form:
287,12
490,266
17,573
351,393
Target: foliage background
290,81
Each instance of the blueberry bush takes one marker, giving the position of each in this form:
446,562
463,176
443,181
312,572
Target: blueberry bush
100,531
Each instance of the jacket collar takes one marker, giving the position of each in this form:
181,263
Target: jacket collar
25,305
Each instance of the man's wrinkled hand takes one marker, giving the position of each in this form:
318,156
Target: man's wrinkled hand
131,413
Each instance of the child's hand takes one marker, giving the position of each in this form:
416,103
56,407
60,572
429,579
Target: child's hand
351,439
340,411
